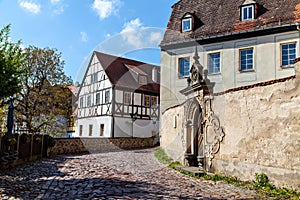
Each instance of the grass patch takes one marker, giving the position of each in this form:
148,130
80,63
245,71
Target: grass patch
162,157
228,179
260,184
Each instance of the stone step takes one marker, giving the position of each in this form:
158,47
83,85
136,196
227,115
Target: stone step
196,171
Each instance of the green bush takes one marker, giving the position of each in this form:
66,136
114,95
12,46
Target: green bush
261,184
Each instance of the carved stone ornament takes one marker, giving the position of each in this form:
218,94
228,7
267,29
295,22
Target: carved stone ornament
213,133
194,74
196,69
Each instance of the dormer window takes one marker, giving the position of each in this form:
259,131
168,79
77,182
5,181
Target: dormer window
247,13
187,23
142,80
248,10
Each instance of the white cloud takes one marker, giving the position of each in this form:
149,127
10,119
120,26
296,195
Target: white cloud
31,7
57,7
54,1
132,25
59,10
84,36
155,37
107,35
105,8
131,34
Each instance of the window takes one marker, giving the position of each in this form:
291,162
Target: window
101,129
98,98
154,100
288,54
147,101
81,102
107,96
90,130
184,67
246,59
247,13
142,80
89,101
127,98
186,24
94,77
214,63
80,130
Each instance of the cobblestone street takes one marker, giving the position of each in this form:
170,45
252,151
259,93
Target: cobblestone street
116,175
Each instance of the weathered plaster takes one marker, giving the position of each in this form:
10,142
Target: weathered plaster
172,133
262,132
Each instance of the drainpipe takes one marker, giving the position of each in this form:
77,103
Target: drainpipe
113,101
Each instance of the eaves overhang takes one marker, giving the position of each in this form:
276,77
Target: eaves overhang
229,36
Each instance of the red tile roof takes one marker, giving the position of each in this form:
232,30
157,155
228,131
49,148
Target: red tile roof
118,72
219,17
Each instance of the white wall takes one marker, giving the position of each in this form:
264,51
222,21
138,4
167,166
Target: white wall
96,122
124,127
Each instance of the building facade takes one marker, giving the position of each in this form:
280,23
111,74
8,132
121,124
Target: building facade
118,97
238,42
211,49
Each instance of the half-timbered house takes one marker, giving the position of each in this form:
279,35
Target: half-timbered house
118,97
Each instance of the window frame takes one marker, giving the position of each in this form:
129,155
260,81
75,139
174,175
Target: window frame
142,80
147,103
247,18
185,73
98,99
127,98
102,129
188,19
154,101
80,130
289,59
89,101
107,96
90,129
94,77
81,101
214,67
240,60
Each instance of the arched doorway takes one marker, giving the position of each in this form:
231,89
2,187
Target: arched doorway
193,134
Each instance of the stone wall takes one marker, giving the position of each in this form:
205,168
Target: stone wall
262,132
172,132
261,123
84,145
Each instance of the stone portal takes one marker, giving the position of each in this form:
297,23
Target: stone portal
202,130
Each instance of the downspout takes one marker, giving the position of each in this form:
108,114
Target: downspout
113,101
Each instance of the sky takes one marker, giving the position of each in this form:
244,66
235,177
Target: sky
127,28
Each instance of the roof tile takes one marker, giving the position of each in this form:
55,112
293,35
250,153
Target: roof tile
223,17
117,70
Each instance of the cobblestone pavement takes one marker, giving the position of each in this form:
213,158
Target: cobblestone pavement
115,175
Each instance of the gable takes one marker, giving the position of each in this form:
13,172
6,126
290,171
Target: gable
95,77
122,72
